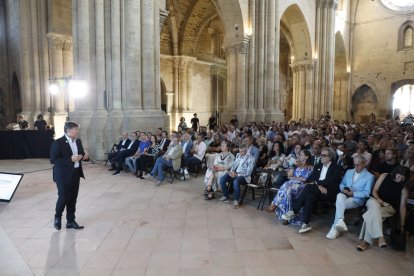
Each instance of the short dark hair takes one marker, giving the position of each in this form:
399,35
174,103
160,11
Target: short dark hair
404,171
69,125
40,116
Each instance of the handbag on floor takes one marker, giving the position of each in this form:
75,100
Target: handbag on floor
397,239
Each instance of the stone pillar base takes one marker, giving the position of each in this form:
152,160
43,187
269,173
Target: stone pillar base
274,116
227,115
101,129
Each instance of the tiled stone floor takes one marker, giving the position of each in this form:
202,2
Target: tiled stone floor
135,228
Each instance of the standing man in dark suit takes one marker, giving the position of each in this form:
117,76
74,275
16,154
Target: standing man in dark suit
66,155
322,185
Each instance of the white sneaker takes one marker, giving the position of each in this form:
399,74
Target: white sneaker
223,199
236,204
305,228
332,234
341,226
289,215
185,172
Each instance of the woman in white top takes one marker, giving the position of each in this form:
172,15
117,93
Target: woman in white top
223,162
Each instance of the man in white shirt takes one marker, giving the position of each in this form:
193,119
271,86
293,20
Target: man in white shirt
322,185
198,150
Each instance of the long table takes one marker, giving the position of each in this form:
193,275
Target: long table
22,144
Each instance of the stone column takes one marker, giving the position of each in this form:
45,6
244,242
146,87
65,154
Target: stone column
131,57
56,70
68,69
101,91
116,55
176,62
190,67
149,91
302,90
183,85
325,28
270,60
260,74
241,78
251,110
231,100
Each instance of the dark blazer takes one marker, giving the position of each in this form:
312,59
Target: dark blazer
331,181
187,151
133,149
120,146
165,145
60,157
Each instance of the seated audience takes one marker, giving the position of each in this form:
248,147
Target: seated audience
170,159
263,158
239,174
362,151
291,189
198,150
291,159
389,197
389,163
122,145
355,188
322,185
144,144
148,158
222,163
122,155
213,149
40,124
23,124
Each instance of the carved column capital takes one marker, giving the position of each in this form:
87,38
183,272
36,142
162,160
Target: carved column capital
163,16
242,47
230,50
55,42
67,45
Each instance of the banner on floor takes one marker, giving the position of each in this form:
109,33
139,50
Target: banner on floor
8,185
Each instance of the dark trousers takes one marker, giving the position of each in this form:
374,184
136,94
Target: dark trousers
192,161
67,195
143,162
121,156
307,199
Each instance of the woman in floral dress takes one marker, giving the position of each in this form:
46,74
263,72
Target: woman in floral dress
291,189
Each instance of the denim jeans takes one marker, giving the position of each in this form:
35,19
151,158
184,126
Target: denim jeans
236,185
160,165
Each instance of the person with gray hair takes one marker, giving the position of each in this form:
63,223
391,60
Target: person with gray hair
322,185
355,189
239,174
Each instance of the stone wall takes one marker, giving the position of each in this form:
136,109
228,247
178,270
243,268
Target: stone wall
376,60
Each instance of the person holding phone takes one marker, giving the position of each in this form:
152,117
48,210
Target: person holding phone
355,189
66,155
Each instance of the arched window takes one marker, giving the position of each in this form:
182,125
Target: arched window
406,36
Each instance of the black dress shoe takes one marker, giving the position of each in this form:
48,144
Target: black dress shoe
112,169
74,225
57,224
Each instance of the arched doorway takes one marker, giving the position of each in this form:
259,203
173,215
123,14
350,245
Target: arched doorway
403,101
16,107
364,102
340,100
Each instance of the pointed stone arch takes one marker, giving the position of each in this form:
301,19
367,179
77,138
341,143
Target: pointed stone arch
364,102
